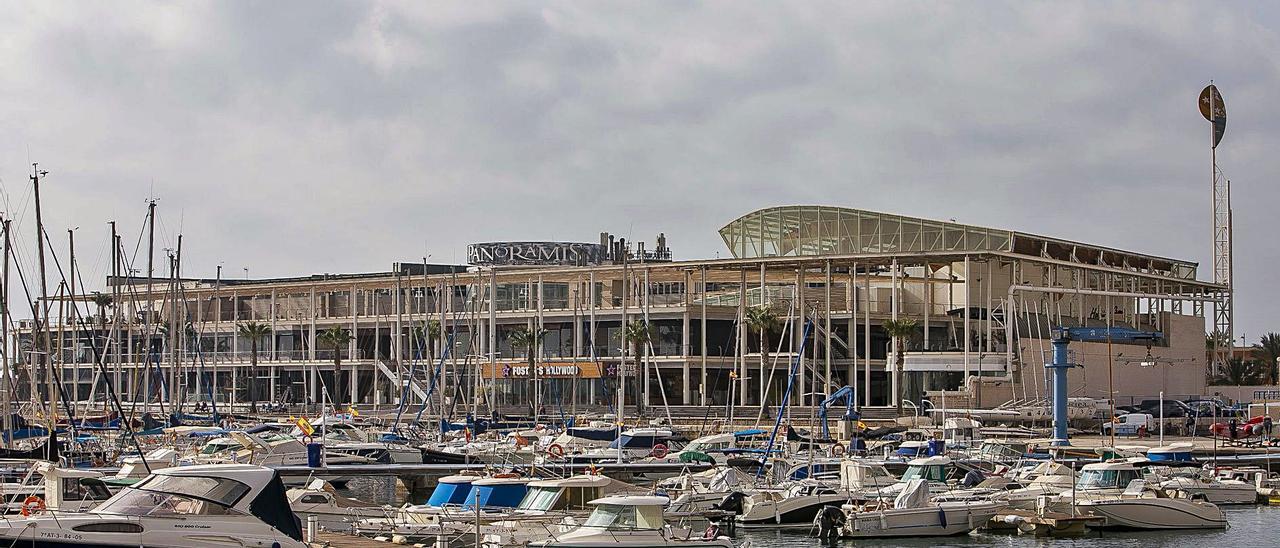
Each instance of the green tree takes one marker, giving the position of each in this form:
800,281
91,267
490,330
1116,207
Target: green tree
899,331
637,334
1238,372
529,340
1267,352
103,301
763,320
254,331
336,338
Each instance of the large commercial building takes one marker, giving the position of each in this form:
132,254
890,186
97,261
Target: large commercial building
984,301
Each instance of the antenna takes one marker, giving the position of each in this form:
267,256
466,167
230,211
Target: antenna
1215,111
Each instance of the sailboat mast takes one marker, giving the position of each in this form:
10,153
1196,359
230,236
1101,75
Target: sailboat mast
9,380
150,314
46,350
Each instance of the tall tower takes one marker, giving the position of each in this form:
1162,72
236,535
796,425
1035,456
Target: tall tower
1215,111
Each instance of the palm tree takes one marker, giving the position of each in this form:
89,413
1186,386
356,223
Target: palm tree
529,339
899,331
430,332
335,338
103,300
1267,352
638,333
763,320
1238,372
253,331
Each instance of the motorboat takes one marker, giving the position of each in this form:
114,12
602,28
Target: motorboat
136,468
332,510
1197,485
346,438
910,515
1140,507
864,478
199,506
633,444
696,493
629,521
790,504
62,489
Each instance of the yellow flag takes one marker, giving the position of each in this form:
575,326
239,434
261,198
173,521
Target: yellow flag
862,425
305,426
354,412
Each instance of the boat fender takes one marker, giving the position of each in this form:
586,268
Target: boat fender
32,505
556,450
837,450
659,451
942,517
713,531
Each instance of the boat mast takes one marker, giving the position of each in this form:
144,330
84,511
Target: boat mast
150,312
9,379
46,351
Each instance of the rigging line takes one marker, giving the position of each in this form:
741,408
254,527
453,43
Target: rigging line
99,358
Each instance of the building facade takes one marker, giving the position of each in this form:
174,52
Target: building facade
983,301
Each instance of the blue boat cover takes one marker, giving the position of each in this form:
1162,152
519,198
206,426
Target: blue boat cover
497,496
449,493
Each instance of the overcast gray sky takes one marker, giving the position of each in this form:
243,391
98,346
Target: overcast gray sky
305,137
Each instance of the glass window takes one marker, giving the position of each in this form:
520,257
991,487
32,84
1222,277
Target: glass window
539,498
139,502
220,490
613,516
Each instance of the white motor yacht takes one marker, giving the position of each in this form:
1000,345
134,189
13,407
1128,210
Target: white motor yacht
1139,507
630,521
789,505
201,506
1200,486
332,510
910,515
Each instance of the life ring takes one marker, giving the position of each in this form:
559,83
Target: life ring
32,504
837,450
556,450
659,451
306,440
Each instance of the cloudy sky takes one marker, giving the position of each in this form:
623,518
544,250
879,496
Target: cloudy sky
296,138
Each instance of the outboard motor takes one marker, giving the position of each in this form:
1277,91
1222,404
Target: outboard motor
829,522
731,503
972,479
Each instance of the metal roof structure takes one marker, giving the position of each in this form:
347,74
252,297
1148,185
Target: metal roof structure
800,231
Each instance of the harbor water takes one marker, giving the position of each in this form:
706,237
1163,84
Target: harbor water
1249,527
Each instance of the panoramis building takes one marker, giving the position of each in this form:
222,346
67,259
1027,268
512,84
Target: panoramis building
705,332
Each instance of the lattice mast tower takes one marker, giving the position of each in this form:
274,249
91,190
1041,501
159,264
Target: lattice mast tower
1215,111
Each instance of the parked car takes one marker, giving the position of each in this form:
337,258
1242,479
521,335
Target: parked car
1129,424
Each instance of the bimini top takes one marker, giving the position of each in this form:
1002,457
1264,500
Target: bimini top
795,231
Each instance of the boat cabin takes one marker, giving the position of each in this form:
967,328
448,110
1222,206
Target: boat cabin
572,493
1107,475
643,512
931,469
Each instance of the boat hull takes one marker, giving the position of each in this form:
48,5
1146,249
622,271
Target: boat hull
946,519
1148,514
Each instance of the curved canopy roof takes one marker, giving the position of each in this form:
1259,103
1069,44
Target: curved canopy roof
790,231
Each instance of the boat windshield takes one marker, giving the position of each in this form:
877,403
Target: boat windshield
1106,479
929,472
175,495
613,516
633,442
218,447
540,498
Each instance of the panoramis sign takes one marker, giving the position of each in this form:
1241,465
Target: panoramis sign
536,253
546,370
